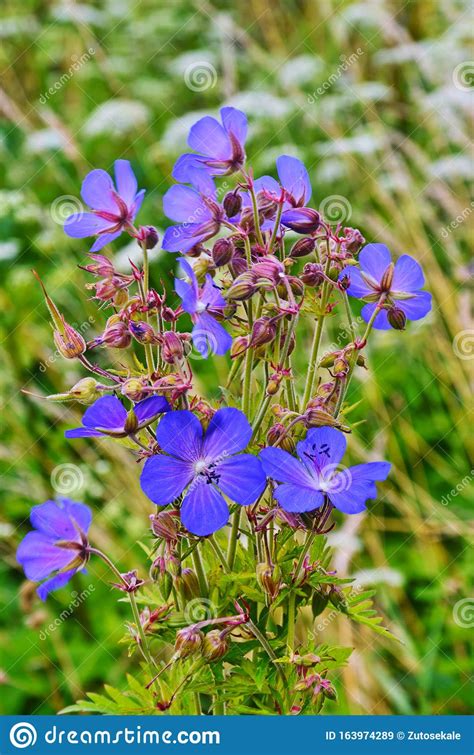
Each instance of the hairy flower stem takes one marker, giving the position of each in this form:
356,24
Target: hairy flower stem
256,221
144,288
233,538
260,416
201,575
290,638
353,359
326,289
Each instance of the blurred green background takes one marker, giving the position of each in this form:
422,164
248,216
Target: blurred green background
376,98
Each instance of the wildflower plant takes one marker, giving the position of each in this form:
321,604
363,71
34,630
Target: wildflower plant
245,480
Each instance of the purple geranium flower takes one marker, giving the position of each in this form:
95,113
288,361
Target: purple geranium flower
220,148
196,208
205,466
108,416
294,190
394,288
307,481
203,304
113,207
58,545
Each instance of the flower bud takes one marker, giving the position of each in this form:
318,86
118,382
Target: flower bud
277,435
133,388
69,342
312,274
222,252
308,220
165,525
319,418
142,331
232,203
263,331
303,247
239,346
319,602
327,360
397,318
116,333
353,240
85,391
150,236
269,579
172,348
101,266
338,599
215,644
296,285
190,584
188,641
242,288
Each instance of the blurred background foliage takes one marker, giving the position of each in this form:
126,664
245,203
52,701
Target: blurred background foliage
375,98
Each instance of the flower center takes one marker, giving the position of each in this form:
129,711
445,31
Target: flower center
200,307
203,468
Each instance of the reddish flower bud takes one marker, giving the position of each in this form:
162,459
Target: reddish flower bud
116,333
188,641
239,346
215,645
172,348
149,235
232,203
353,240
165,525
397,318
142,331
133,388
308,221
101,266
312,275
263,331
222,252
303,247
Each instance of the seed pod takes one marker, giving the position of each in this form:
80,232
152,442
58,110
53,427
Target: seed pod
215,644
303,247
150,235
338,599
328,359
190,584
319,418
222,252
